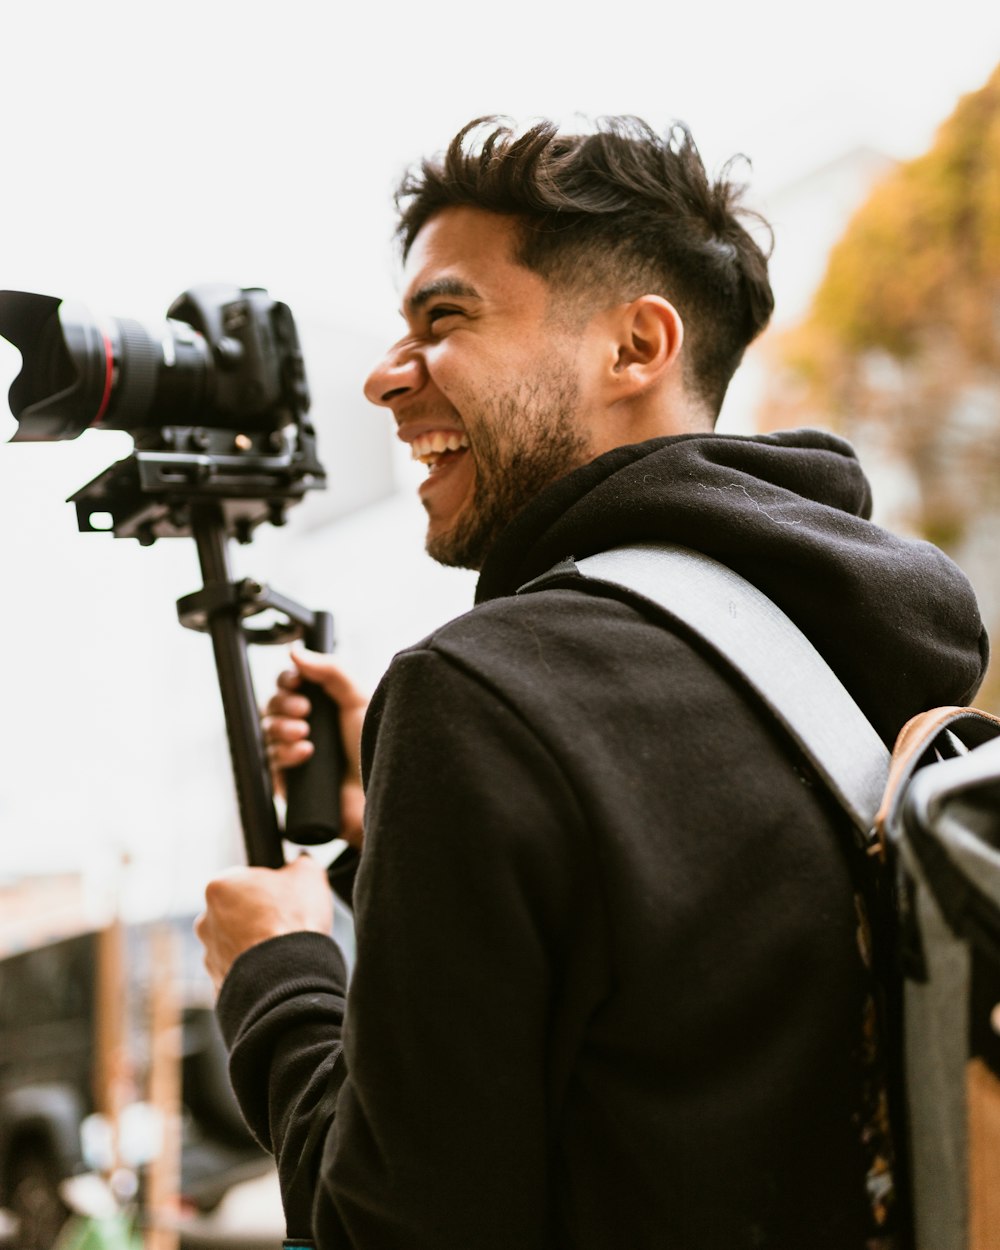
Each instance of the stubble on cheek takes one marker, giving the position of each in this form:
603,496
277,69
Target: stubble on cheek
521,441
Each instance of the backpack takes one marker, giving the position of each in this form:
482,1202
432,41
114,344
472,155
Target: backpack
930,817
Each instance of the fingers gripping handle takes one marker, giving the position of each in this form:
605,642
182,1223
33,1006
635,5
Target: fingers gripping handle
313,789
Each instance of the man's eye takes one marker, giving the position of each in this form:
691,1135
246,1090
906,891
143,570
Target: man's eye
436,314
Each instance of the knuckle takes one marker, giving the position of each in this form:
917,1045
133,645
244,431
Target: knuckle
215,891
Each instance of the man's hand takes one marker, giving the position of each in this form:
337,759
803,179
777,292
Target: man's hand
286,731
249,905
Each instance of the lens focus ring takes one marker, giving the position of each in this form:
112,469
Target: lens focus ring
139,366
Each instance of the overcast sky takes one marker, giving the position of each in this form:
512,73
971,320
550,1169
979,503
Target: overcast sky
148,146
145,148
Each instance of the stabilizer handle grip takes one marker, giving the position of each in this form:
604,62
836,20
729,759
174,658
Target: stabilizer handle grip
313,789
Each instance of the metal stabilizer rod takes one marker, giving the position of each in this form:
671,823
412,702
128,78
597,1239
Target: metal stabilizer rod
224,622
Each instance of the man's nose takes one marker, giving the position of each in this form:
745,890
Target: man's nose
400,372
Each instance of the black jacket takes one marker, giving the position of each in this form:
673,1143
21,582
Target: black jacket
608,990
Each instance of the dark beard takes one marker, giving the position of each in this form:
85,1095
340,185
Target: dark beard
529,441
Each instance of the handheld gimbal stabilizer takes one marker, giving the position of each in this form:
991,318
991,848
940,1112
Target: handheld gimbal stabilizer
216,402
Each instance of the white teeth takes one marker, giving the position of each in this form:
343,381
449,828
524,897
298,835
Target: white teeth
427,448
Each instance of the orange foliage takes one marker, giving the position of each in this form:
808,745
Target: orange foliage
924,251
901,346
902,342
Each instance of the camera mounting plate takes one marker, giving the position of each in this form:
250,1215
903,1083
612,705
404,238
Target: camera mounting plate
149,494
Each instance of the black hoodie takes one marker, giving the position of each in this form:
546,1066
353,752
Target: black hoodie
609,990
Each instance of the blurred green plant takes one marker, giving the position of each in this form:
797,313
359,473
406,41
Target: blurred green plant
108,1233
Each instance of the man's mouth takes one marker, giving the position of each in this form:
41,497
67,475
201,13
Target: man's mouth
437,447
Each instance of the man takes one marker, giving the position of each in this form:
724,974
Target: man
609,989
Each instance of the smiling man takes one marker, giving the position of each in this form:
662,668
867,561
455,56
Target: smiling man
610,988
483,389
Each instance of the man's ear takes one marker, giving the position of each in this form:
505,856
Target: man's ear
650,335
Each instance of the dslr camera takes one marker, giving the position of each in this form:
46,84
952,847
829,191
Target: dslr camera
215,399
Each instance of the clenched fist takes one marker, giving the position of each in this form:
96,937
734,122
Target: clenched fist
249,905
286,731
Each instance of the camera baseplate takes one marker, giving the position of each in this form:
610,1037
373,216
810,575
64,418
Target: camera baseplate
254,478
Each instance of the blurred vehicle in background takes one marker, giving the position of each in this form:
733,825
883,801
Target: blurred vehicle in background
48,1040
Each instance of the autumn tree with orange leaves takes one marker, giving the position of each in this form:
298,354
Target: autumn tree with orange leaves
901,347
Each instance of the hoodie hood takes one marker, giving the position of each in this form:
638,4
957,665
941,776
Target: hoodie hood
895,618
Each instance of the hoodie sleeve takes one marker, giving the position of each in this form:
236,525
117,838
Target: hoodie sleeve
467,896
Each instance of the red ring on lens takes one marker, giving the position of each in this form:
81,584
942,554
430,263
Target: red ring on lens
109,369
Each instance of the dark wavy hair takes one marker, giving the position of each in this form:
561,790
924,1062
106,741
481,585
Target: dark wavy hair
620,212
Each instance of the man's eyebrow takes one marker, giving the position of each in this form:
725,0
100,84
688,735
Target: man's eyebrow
442,286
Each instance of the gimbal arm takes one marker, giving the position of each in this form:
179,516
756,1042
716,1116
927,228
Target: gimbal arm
313,812
246,743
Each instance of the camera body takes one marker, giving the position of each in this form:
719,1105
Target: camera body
215,399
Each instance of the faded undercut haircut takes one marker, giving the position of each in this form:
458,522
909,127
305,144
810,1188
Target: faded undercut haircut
615,214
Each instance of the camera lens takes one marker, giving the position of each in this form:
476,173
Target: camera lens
80,374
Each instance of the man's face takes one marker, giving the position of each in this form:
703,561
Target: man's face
492,391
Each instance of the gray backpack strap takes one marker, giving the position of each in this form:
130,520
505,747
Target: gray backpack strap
757,639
